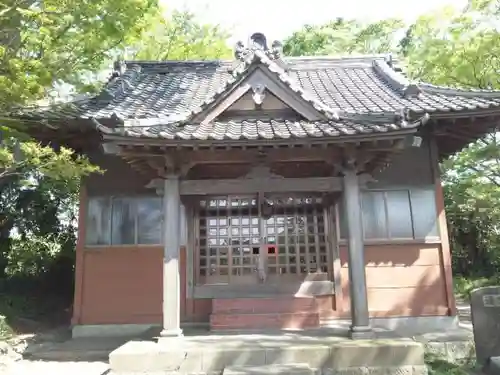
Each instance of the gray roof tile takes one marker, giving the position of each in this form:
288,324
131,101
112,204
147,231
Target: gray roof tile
260,130
174,90
361,95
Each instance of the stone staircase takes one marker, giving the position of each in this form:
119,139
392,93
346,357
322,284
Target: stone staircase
264,313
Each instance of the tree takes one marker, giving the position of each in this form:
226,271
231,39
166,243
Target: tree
179,37
455,48
58,40
344,37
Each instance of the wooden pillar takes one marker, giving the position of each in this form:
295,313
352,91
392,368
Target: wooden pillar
360,327
442,227
171,271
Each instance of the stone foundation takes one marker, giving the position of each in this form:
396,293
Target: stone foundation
406,326
324,355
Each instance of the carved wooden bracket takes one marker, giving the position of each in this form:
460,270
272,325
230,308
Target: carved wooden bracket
169,165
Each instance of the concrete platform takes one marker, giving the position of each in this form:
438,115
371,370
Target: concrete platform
212,354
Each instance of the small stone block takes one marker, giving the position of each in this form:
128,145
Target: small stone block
146,356
290,369
493,366
314,355
217,360
375,353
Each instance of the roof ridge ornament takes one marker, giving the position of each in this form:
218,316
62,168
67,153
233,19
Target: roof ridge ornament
119,68
257,41
395,79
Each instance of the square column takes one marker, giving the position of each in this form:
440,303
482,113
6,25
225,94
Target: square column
171,271
360,327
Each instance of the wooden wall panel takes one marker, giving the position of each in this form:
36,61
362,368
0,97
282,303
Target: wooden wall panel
123,285
402,280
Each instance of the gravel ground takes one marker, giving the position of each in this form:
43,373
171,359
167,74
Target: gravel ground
25,367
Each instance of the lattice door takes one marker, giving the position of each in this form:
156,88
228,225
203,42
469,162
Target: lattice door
229,239
244,241
296,225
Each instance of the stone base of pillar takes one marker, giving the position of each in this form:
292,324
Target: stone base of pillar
169,333
361,333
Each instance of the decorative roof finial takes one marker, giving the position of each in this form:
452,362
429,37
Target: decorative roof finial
239,50
258,41
277,49
118,68
389,60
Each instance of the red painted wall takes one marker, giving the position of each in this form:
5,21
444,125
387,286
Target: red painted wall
402,280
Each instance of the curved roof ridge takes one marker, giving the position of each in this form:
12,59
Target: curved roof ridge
411,88
396,79
404,118
457,91
353,56
228,62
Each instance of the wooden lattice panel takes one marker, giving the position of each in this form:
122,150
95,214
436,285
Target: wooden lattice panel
286,235
229,233
297,227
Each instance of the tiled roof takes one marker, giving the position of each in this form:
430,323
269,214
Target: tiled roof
174,90
261,130
353,96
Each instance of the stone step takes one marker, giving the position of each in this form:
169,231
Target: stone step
289,369
263,305
299,320
214,354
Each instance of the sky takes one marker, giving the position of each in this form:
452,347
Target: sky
279,18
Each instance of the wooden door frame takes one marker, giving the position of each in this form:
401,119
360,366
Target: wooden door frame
258,290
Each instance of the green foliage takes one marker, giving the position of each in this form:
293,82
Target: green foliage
437,365
29,157
472,183
6,331
58,40
463,286
179,37
455,49
341,37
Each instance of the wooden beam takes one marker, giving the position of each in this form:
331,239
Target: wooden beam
238,156
252,185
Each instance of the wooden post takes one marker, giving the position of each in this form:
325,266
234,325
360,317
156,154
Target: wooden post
171,271
442,227
360,327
